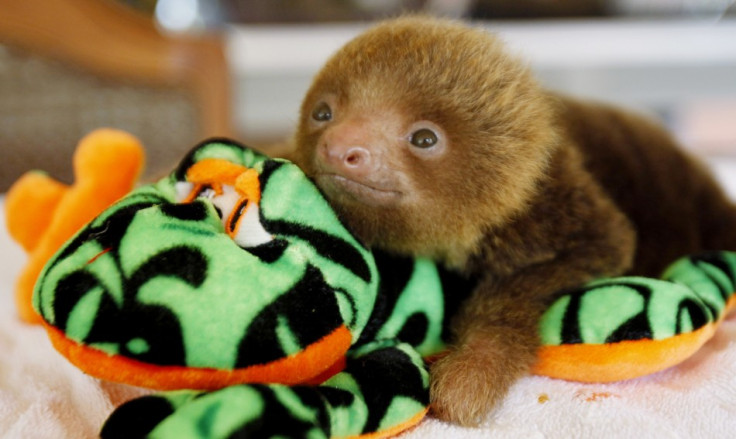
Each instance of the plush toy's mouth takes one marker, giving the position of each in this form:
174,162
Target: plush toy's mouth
340,187
320,360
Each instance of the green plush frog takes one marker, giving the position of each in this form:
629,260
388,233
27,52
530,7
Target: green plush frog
233,287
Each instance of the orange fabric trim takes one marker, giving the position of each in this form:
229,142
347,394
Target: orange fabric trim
618,361
294,369
396,429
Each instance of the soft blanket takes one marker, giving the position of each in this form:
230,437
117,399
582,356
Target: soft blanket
43,396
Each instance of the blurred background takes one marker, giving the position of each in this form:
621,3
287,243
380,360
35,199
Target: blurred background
175,71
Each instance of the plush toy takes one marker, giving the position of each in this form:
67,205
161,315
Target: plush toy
232,285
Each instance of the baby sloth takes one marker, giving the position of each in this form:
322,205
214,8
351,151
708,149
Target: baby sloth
430,140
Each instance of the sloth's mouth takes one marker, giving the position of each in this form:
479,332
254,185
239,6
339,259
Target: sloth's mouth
341,188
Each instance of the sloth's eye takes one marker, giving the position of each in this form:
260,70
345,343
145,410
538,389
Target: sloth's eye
424,138
322,112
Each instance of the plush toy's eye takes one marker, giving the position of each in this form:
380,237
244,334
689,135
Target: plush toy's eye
322,112
424,138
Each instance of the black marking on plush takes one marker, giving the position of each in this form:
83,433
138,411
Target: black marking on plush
269,167
69,291
714,310
353,307
218,210
698,315
108,235
270,251
383,375
394,273
158,326
637,327
415,329
455,289
195,211
155,324
276,420
309,320
570,321
186,263
317,397
334,248
136,418
335,397
187,161
181,171
714,259
238,212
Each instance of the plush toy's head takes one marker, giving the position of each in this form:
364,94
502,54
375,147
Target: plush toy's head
230,244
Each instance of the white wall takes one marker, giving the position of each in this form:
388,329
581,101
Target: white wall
660,65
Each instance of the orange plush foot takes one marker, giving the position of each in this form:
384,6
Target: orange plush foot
42,213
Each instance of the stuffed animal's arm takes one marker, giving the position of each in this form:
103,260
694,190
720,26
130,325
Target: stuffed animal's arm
382,390
620,328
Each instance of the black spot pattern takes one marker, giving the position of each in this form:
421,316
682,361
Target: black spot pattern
455,289
68,292
277,421
155,329
637,327
137,418
269,252
696,313
383,375
336,249
309,320
394,274
194,211
108,234
715,260
157,325
415,329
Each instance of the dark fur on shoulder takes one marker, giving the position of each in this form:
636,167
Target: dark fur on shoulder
672,199
528,191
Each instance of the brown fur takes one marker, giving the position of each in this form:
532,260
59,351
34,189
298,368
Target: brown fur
528,191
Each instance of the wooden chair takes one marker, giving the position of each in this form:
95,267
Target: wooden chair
69,66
